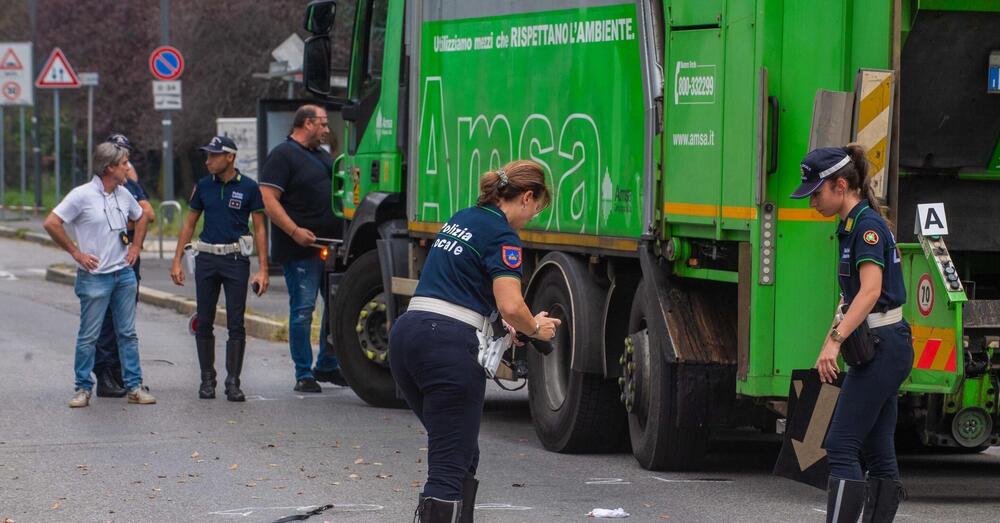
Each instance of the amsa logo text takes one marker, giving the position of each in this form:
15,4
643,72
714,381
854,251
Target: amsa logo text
693,83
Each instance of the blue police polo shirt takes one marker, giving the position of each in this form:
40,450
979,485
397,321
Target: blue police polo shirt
227,207
865,237
476,246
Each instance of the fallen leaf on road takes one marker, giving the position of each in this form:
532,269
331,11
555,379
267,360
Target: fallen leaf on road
383,476
377,464
55,506
360,461
336,444
415,483
156,489
81,466
251,484
422,449
195,455
664,516
517,484
199,461
234,466
354,477
419,460
231,422
8,520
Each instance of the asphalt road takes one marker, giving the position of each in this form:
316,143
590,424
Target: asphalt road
186,459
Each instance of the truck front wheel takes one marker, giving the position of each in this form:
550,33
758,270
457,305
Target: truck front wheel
360,333
572,411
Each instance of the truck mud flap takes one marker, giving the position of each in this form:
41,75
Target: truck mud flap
695,321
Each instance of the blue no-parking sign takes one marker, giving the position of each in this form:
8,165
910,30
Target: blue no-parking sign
166,63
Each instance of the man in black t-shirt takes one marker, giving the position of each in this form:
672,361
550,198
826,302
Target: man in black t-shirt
295,183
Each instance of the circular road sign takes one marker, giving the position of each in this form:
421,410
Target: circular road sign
166,63
11,90
925,295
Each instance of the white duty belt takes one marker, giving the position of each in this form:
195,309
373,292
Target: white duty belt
219,249
445,308
881,319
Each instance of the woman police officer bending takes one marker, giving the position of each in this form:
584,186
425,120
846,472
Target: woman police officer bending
876,340
472,271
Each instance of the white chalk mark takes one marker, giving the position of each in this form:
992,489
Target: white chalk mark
702,480
500,506
337,508
607,481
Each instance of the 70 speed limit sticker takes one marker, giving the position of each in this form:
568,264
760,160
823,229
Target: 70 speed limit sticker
925,295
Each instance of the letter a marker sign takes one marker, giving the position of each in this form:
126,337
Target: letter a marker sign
57,73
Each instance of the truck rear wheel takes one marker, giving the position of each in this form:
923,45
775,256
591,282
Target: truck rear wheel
572,411
649,389
360,334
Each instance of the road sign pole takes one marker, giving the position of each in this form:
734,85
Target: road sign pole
55,130
24,163
168,131
3,171
90,133
36,152
72,155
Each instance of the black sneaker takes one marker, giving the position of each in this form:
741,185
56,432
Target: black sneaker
307,385
330,376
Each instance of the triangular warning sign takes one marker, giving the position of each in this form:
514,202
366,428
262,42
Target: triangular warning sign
10,61
57,72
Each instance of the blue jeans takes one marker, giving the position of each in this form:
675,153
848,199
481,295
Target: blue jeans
98,293
107,344
863,427
304,280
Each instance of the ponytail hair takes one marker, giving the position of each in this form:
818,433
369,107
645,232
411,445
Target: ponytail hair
863,184
511,181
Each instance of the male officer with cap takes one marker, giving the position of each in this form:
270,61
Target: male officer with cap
107,366
228,200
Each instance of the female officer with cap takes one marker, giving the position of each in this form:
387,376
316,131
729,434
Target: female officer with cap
472,271
864,422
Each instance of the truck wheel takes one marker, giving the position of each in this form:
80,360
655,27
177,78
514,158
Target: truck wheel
650,396
360,337
572,411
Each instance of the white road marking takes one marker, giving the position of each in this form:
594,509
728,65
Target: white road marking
4,275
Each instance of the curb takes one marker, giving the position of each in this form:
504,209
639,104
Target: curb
28,235
256,326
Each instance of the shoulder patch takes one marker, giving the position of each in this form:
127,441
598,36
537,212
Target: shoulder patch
511,256
870,237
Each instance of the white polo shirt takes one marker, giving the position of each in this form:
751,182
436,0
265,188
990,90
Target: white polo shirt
96,219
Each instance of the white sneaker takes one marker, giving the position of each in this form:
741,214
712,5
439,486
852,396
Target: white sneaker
81,398
141,396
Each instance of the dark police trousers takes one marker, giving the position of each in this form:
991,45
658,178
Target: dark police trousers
864,422
106,355
213,272
433,360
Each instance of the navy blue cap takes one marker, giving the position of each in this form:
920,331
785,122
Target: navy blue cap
220,144
120,140
819,165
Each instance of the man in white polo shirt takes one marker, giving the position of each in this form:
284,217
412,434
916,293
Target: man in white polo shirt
98,212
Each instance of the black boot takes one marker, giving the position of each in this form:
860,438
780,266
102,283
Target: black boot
469,487
206,360
107,385
882,501
845,497
434,510
234,365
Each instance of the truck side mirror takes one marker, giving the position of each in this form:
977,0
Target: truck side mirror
319,16
316,65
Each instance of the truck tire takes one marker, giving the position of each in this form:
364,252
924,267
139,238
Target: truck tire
363,356
658,442
572,411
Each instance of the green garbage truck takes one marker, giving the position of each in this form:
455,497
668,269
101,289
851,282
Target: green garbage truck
690,286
